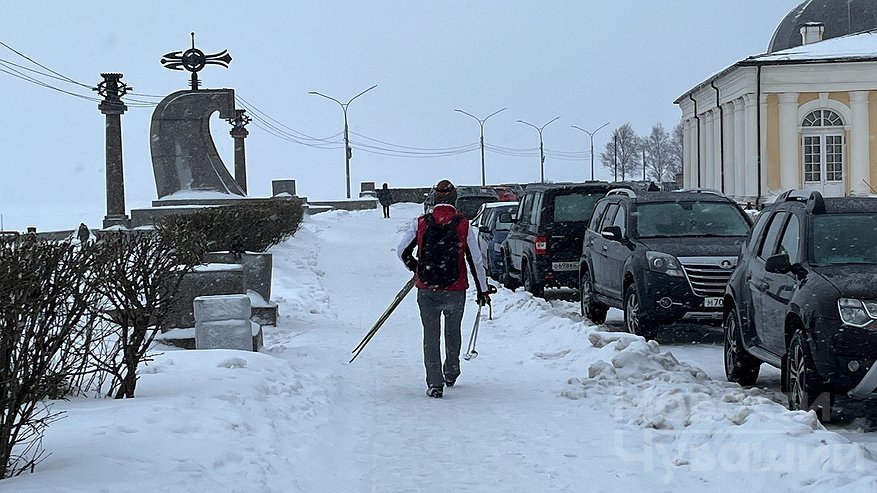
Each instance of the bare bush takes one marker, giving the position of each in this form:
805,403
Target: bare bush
139,276
47,301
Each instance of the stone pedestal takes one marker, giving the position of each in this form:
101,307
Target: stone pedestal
223,322
282,186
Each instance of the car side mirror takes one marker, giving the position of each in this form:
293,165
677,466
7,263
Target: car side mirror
778,264
612,233
506,217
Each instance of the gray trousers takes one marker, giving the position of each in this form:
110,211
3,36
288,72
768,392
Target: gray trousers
434,304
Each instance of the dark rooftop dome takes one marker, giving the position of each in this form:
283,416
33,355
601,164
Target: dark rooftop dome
840,17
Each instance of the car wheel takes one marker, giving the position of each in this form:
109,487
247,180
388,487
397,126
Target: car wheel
740,366
530,285
806,389
635,320
507,279
592,309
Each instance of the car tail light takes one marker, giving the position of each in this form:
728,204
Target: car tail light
541,245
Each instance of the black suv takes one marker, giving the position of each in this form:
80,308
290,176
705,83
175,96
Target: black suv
804,299
661,257
544,241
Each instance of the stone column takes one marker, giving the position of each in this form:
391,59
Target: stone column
239,133
750,123
112,89
860,152
729,149
739,151
686,151
717,150
708,155
789,124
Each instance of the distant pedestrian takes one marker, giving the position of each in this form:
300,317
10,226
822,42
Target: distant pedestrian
385,197
445,243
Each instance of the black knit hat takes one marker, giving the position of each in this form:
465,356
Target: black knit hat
445,193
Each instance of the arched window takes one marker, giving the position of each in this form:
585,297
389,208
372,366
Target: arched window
822,118
822,135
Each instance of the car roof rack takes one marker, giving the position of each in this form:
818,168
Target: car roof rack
699,190
621,191
812,198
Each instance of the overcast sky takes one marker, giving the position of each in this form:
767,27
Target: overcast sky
587,61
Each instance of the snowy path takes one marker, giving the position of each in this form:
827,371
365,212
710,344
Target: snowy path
550,404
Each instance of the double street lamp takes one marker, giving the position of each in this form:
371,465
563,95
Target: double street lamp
347,151
541,148
591,135
481,122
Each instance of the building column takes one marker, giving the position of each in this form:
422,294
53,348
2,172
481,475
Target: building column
860,152
789,165
750,116
708,157
739,152
717,150
686,152
729,149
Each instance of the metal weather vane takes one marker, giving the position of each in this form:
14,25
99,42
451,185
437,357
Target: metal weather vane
194,60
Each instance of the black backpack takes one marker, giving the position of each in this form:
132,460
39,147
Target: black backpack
439,252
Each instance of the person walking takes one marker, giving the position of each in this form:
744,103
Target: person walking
445,244
385,198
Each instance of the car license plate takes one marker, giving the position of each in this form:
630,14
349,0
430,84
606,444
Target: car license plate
712,303
562,266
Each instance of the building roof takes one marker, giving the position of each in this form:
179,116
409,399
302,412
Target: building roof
840,18
860,47
852,47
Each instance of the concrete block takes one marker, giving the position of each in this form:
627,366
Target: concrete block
224,334
221,307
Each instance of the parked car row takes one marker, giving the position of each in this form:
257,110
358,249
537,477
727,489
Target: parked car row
798,290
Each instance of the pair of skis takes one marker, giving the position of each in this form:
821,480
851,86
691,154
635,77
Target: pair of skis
470,353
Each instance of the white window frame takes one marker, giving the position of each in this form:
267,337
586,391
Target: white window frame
829,126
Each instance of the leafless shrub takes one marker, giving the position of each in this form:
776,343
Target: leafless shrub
138,278
47,299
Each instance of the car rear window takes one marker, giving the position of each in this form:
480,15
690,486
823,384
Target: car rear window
574,207
844,239
468,206
689,218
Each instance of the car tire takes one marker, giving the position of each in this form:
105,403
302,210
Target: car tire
740,366
507,279
807,391
591,309
530,284
635,321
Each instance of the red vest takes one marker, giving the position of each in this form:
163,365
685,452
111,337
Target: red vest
443,215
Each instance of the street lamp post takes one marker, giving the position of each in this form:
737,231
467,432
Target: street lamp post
347,151
481,122
591,135
541,148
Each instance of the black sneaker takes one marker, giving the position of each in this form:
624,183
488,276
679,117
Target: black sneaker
435,392
451,382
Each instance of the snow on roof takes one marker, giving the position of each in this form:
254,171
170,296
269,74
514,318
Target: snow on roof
851,48
844,48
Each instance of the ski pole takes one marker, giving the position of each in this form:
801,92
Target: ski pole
471,352
383,318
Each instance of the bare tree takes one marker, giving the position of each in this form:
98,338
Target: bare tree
658,153
626,155
47,301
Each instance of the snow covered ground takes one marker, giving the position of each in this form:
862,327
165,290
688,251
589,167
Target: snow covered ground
550,404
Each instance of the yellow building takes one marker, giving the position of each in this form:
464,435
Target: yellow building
803,115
